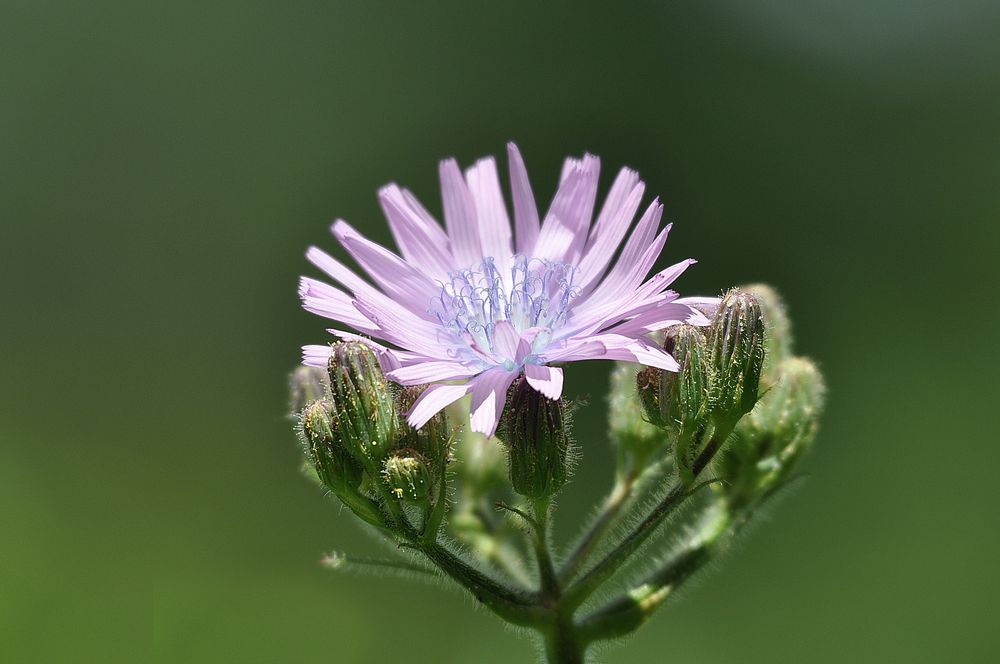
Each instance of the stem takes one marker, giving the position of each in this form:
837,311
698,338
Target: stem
546,571
604,569
562,645
514,606
619,495
626,613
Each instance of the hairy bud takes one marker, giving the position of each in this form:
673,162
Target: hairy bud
408,477
777,329
769,441
534,428
737,345
363,403
307,384
334,466
630,430
433,440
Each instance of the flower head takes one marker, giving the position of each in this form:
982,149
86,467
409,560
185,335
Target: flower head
470,307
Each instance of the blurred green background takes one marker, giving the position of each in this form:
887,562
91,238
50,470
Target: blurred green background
164,165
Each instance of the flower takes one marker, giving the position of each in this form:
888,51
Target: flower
471,306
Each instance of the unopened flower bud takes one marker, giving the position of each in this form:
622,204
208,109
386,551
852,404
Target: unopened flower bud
535,429
307,385
630,430
334,466
737,344
770,440
433,440
777,329
678,400
363,402
407,475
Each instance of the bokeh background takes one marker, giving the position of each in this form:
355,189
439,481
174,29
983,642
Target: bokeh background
164,165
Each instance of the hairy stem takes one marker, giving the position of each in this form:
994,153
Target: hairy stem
626,613
604,569
546,571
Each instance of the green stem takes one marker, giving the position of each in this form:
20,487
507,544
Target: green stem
604,569
614,503
626,613
546,570
562,644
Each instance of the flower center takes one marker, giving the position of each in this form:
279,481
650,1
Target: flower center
536,294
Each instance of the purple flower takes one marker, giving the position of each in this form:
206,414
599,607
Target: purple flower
471,306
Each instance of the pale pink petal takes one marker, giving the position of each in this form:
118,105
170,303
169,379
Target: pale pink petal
489,393
325,300
526,225
431,372
640,350
393,275
547,380
574,350
565,228
611,226
491,214
459,216
433,400
400,327
422,242
505,339
338,271
657,318
315,355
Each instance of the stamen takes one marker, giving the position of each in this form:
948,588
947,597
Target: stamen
474,300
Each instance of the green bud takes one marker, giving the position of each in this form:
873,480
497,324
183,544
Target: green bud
307,384
770,440
737,344
630,429
535,430
777,329
363,402
678,400
433,440
333,465
408,476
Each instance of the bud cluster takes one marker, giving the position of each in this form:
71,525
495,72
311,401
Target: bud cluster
356,440
716,383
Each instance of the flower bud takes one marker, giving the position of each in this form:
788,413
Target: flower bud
777,329
433,440
307,384
334,466
678,400
769,441
630,429
365,411
737,343
408,477
534,428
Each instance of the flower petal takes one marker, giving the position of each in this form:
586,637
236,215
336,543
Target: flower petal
567,222
433,400
431,372
407,286
325,300
315,355
526,225
421,241
459,216
547,380
489,393
611,226
491,215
